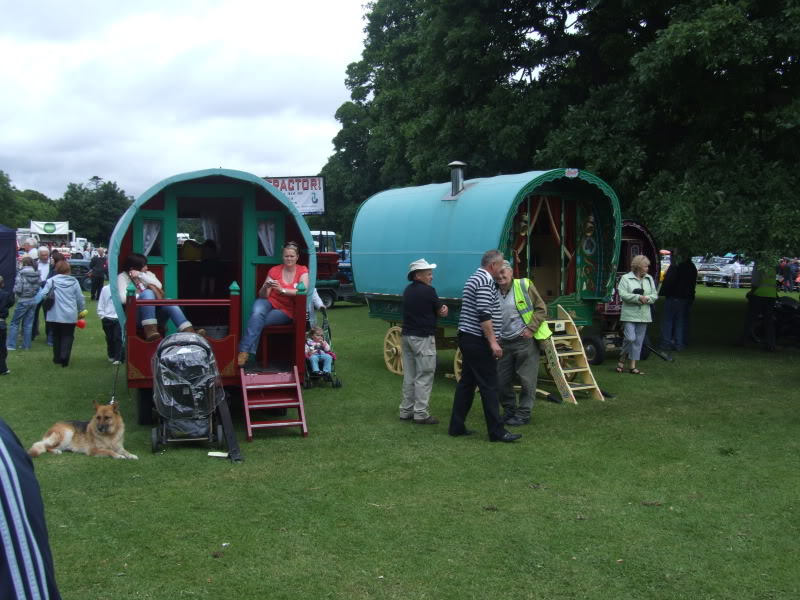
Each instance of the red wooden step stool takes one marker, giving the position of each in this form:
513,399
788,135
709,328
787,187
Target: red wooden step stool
262,390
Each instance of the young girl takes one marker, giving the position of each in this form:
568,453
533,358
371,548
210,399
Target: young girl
319,351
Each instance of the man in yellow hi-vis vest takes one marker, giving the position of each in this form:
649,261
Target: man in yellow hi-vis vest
760,305
524,322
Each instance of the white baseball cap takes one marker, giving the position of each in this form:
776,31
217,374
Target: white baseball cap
419,265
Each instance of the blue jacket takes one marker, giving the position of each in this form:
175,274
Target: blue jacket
69,299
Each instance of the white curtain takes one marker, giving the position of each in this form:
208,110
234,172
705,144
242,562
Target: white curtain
211,229
266,235
150,229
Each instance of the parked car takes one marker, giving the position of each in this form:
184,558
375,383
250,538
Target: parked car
720,272
80,270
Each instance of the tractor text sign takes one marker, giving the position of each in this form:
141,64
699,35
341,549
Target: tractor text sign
306,193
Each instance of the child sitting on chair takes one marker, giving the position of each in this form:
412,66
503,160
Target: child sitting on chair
318,351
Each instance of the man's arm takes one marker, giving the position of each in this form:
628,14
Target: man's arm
539,308
488,332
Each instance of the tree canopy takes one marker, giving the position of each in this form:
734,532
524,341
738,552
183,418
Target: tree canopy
92,210
690,109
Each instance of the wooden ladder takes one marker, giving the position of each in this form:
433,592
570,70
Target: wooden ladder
566,359
263,390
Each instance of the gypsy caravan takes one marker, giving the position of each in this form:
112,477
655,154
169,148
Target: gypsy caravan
560,228
243,222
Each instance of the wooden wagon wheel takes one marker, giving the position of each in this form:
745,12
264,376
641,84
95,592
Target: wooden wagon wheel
457,364
567,362
393,350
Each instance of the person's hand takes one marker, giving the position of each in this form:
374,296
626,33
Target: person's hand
83,313
497,351
642,299
527,333
273,284
443,311
133,274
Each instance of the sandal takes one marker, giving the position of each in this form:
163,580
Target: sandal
620,367
636,372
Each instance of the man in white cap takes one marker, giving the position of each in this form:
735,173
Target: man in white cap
421,306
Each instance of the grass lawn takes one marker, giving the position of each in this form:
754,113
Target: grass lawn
684,485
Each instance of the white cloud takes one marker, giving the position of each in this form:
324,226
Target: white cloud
141,91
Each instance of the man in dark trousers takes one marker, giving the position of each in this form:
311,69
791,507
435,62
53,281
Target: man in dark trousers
97,271
678,289
421,306
26,564
479,320
6,302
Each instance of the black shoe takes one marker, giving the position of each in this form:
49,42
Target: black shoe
508,437
408,418
507,417
465,432
517,422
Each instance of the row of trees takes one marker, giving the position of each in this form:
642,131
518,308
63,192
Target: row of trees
690,109
92,209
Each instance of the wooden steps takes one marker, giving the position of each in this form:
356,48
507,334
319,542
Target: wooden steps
264,390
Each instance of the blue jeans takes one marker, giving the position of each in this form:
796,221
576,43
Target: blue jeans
672,325
23,315
325,359
263,315
159,314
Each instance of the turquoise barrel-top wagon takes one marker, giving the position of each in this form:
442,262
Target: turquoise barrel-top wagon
561,228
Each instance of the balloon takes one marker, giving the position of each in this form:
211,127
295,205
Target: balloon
81,324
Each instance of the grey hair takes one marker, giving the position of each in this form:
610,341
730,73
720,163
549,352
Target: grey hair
640,262
30,241
44,249
491,256
506,265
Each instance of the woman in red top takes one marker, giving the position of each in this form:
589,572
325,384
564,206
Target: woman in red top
274,305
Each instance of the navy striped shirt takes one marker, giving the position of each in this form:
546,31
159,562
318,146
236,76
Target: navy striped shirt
480,302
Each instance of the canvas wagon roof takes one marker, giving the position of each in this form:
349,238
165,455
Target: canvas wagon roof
395,227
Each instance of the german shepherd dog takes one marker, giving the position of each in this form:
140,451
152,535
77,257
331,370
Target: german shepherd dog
102,436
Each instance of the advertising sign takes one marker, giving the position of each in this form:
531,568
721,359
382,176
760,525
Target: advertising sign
50,228
306,193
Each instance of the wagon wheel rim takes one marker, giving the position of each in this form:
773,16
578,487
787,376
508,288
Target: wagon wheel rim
393,350
458,364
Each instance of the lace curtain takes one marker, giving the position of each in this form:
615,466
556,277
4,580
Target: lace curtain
211,230
266,235
151,230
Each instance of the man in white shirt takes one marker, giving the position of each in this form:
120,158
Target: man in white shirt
737,271
43,266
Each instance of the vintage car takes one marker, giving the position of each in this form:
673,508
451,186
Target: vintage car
80,270
719,271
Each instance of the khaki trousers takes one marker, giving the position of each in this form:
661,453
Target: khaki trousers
419,365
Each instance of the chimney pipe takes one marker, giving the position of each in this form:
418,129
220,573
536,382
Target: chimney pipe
457,176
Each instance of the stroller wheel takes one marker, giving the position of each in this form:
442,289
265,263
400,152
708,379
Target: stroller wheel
220,441
154,441
337,383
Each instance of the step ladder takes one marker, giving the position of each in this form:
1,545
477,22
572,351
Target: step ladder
265,390
566,360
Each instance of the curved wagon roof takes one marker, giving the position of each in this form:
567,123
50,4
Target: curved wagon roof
234,176
395,227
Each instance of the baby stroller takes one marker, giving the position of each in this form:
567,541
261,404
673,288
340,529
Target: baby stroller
186,392
311,378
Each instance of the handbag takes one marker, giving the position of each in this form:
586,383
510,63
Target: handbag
50,299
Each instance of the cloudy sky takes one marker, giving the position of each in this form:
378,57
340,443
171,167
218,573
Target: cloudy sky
137,91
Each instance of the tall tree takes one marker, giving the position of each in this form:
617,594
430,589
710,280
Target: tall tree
94,210
689,108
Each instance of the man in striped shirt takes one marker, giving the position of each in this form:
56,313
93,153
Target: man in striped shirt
479,320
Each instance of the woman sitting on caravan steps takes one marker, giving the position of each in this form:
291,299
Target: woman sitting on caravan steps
274,305
148,287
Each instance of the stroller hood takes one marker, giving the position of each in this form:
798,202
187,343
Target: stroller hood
186,381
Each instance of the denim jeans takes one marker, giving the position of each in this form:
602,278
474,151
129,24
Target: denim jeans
23,316
263,315
672,326
159,314
325,359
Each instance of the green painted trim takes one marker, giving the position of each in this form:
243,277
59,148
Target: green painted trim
240,177
505,242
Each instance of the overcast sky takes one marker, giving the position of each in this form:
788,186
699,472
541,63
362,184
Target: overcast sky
138,91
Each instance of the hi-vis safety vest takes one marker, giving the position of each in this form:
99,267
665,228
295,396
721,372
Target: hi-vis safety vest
526,309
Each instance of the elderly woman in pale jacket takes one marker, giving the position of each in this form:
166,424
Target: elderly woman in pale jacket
69,306
637,291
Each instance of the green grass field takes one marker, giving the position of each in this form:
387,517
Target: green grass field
685,485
